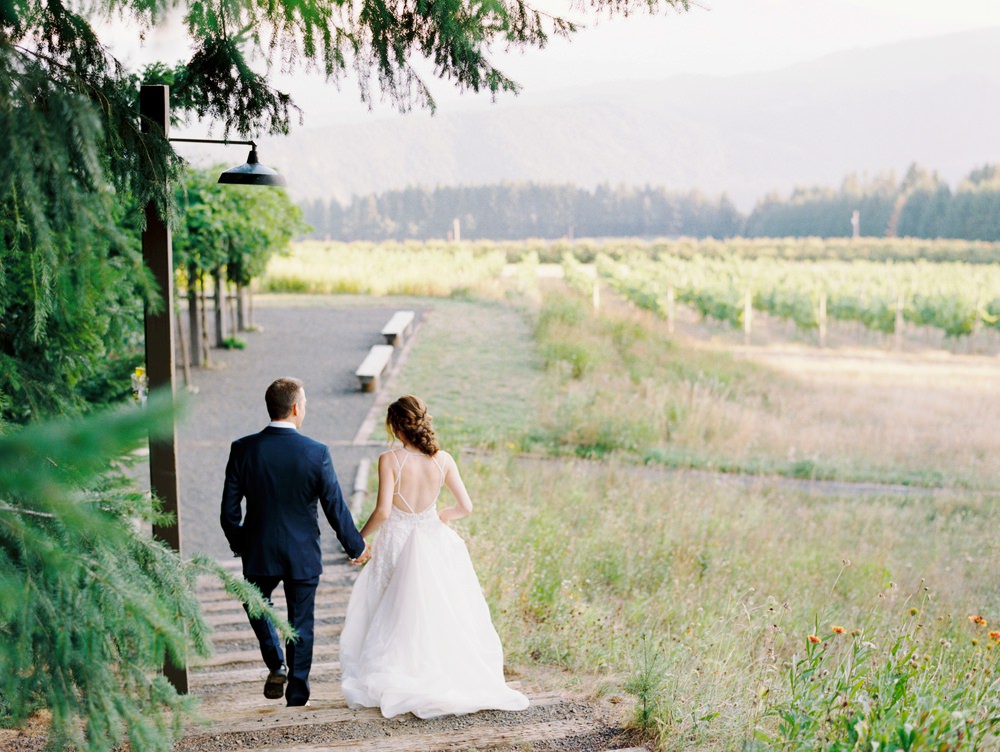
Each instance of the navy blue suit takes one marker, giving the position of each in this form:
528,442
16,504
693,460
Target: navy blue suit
282,475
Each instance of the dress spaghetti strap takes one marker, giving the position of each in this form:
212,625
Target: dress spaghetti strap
399,479
440,467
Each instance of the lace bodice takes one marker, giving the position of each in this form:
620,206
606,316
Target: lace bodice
393,536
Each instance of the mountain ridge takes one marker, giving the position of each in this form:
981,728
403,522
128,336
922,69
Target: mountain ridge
932,101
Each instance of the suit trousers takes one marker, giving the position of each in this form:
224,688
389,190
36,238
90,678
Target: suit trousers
300,596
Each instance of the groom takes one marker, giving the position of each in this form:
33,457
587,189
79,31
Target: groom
282,474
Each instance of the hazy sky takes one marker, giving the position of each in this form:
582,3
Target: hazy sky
716,37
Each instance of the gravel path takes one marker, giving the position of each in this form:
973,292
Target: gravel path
321,345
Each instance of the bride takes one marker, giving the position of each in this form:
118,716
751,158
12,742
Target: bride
418,636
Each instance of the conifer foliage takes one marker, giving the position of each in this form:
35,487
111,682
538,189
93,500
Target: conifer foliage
91,606
88,608
71,279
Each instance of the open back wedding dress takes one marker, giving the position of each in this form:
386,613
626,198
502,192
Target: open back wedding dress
418,636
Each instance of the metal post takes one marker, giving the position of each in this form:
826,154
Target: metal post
154,107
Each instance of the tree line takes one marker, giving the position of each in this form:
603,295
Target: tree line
920,205
513,211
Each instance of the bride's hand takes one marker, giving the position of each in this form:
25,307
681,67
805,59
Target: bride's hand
443,518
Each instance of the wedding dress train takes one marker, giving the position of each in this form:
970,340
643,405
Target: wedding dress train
418,636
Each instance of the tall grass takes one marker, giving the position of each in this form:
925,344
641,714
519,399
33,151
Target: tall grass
619,384
475,364
581,560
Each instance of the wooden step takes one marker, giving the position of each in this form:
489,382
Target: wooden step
331,725
241,633
237,657
209,678
323,598
251,712
239,616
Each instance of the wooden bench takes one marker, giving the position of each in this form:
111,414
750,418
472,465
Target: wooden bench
373,366
396,331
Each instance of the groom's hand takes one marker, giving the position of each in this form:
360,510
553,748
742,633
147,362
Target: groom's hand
364,557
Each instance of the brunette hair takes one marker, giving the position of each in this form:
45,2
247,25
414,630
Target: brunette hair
281,395
407,418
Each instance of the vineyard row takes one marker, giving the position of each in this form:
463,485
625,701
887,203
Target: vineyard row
953,297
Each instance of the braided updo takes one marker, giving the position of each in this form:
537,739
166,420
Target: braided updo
407,419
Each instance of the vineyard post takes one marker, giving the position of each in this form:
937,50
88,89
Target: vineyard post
747,315
822,318
670,309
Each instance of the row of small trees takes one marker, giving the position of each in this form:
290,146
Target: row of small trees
227,235
921,205
72,309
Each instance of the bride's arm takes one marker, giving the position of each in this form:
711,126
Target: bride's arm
453,480
383,503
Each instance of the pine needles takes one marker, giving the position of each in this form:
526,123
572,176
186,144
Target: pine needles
90,606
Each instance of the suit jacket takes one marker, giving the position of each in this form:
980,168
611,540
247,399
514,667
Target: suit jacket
282,474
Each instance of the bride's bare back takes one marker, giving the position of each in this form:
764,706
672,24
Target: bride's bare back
417,478
411,481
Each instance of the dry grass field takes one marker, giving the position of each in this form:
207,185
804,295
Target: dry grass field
924,414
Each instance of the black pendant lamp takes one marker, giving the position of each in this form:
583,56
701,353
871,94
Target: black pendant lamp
252,172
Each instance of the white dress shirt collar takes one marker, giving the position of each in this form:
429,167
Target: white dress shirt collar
281,424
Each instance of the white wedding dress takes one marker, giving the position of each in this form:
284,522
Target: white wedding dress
418,636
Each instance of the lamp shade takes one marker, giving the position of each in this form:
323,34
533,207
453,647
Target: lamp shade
252,173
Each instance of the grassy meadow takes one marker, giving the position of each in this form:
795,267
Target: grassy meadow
666,521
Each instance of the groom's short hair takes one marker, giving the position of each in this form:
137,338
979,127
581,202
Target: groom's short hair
281,395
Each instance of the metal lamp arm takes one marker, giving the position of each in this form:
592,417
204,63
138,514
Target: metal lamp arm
213,141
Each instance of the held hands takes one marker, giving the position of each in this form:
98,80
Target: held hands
364,557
